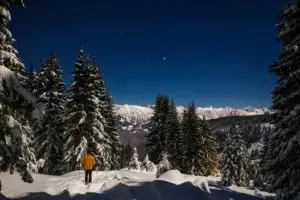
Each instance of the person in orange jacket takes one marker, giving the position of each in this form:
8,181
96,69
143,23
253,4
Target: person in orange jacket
88,162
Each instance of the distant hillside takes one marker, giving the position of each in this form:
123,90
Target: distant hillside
133,121
225,122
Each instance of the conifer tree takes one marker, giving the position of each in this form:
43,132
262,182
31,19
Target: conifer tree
49,136
40,83
191,130
284,162
173,136
76,145
8,52
31,80
206,158
87,124
147,165
156,139
265,157
111,129
99,141
126,153
163,166
258,162
14,107
228,165
234,160
134,163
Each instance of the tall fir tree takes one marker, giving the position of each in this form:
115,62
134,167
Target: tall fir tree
40,87
49,136
126,152
111,129
207,155
190,129
87,126
156,139
76,145
8,52
99,141
234,160
15,108
31,80
265,158
200,154
260,161
228,165
173,136
284,162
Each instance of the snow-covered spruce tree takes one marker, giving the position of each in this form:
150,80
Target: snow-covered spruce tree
111,129
206,159
191,134
241,156
228,165
99,141
234,160
31,80
258,169
163,166
134,163
49,136
126,152
284,165
76,136
147,165
156,139
264,158
41,82
8,52
173,136
86,124
15,103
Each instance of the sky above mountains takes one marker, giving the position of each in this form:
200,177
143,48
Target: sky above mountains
211,52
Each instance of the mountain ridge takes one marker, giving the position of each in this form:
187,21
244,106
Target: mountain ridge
144,113
133,120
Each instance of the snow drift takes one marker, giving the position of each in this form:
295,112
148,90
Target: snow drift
123,185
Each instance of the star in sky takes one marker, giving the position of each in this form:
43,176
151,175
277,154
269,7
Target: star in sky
164,58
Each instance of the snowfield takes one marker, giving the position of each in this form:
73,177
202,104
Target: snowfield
123,185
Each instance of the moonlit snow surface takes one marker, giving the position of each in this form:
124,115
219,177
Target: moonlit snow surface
123,185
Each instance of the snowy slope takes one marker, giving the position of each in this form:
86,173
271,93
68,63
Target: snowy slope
123,185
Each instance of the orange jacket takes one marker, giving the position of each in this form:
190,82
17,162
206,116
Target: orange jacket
88,162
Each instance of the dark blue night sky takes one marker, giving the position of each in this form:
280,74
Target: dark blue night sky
213,52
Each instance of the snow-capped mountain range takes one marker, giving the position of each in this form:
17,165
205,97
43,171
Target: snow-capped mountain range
133,120
136,114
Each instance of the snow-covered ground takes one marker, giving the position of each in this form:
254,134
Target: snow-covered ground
123,185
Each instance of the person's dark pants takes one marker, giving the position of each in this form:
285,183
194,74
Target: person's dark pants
88,176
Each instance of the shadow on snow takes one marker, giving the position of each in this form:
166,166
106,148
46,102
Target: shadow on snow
157,190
